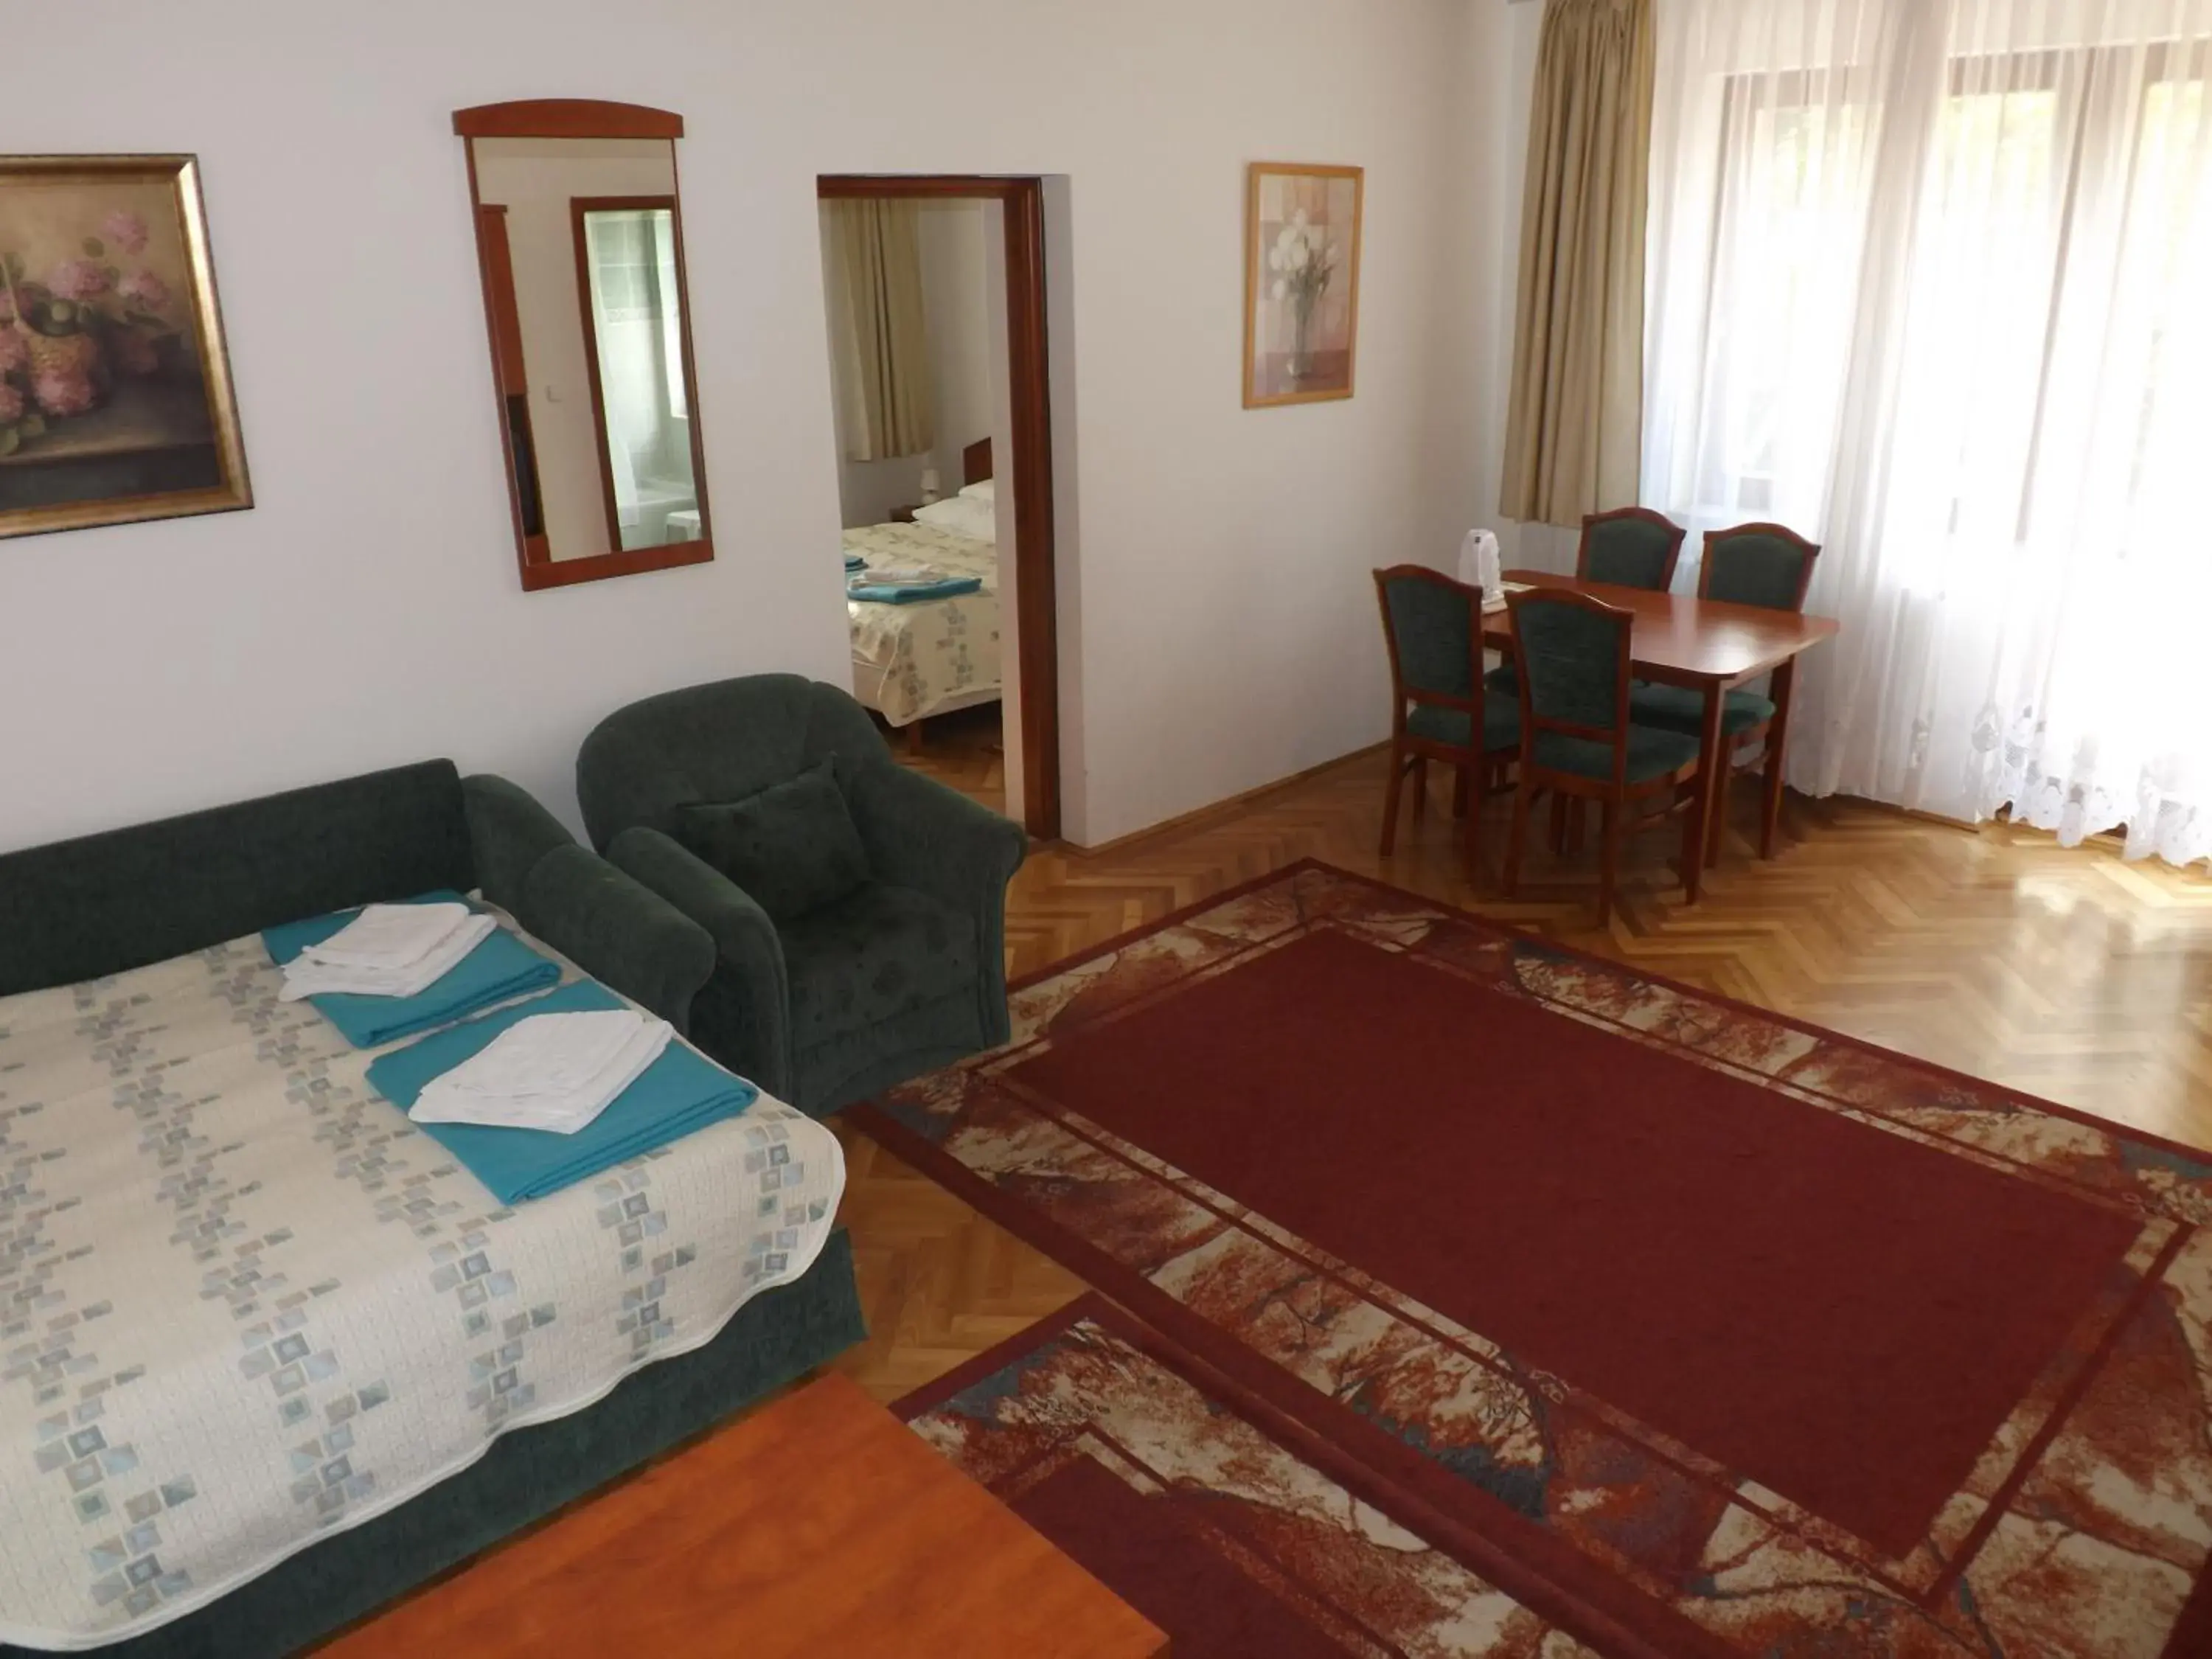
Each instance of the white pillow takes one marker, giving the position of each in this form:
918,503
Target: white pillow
985,491
964,515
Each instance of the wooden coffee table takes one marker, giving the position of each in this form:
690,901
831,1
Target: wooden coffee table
820,1525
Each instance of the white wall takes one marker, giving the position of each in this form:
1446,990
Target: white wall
1219,631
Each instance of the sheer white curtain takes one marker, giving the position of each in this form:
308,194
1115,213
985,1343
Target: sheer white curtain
1931,281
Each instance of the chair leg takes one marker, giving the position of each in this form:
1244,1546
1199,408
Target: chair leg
1390,801
914,737
1516,836
1420,769
1609,867
1577,817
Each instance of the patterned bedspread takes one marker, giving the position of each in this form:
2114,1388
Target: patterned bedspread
244,1304
910,660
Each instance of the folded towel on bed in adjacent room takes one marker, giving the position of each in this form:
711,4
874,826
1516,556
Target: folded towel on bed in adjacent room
497,967
886,586
854,561
679,1092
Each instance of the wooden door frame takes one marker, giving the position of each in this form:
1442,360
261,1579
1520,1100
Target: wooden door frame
1036,627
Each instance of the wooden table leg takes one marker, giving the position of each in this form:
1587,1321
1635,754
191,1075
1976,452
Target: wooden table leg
1724,775
1778,739
1712,784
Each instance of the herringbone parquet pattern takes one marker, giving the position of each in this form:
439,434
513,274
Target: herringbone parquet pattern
2062,972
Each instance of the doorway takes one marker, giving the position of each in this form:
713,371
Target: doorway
1020,466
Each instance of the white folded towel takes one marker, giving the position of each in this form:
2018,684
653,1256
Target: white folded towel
306,976
555,1072
390,935
903,574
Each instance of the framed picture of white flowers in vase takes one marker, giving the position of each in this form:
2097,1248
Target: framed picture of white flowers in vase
115,393
1301,282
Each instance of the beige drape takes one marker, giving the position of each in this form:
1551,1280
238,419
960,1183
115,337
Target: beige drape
878,333
1574,424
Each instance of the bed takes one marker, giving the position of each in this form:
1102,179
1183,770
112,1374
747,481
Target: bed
932,657
305,1310
269,1355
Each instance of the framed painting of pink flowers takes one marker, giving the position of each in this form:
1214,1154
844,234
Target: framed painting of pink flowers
1301,282
115,394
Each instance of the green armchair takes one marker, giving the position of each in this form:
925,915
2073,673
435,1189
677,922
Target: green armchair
857,909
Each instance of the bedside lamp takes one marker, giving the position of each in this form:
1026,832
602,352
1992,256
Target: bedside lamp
932,486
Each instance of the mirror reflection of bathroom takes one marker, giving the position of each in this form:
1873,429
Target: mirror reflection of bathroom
915,292
591,232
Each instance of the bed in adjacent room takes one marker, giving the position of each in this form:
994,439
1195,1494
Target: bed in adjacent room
928,657
258,1307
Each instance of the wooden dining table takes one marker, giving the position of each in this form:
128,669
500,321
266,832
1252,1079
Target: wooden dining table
1711,647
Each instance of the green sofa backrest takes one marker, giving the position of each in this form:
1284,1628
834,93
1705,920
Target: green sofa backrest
78,909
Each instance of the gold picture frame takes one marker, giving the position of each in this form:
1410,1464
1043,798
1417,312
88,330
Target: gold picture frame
116,401
1302,225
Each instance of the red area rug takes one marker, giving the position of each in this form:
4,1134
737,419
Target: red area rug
1687,1329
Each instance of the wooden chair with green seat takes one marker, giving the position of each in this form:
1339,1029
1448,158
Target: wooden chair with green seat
1433,627
1577,741
1762,564
1629,547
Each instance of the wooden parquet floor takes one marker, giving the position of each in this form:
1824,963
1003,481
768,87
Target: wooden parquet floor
2062,972
2065,973
962,749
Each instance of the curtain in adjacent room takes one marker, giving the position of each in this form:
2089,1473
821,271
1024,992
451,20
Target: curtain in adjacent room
1929,283
1574,421
878,331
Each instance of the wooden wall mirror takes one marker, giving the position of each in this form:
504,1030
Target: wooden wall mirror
581,240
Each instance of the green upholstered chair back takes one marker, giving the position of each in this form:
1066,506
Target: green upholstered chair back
101,904
1762,564
1633,547
723,741
1572,651
1432,625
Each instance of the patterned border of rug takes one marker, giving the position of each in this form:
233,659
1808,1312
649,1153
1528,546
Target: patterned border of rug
2083,1529
1224,1524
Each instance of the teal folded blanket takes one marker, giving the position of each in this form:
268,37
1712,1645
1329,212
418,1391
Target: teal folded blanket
892,593
678,1093
499,967
854,562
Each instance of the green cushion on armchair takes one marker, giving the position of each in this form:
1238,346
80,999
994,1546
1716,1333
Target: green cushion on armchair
794,846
